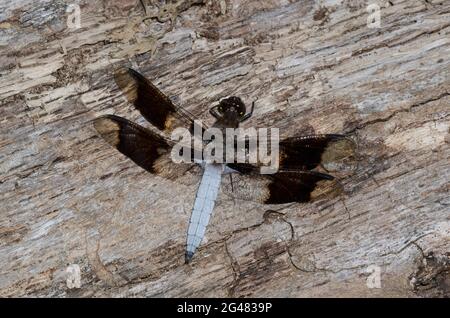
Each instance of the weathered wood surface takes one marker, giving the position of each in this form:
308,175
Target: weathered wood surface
313,66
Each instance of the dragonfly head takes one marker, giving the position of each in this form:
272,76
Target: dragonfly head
232,105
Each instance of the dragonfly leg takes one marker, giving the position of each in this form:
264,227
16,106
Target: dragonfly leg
247,116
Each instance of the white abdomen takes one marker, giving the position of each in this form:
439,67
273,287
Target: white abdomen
203,207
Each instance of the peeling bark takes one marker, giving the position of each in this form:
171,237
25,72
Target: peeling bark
312,67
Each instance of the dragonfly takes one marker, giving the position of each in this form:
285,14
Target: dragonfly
297,179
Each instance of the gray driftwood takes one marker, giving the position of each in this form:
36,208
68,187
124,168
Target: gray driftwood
68,199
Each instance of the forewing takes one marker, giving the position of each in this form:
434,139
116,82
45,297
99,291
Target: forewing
332,152
156,107
307,152
146,148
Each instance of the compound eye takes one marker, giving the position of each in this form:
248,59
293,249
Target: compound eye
241,113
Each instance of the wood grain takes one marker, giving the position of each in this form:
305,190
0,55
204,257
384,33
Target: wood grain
312,67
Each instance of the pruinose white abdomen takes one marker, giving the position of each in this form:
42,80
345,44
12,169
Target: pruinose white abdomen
203,206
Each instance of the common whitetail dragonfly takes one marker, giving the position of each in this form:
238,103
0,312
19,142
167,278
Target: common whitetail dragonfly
295,181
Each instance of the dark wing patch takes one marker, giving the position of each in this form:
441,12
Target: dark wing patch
147,149
303,186
308,152
156,107
281,187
